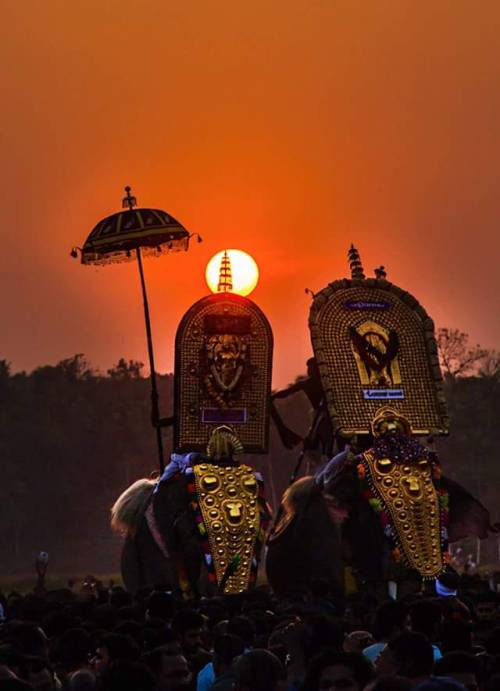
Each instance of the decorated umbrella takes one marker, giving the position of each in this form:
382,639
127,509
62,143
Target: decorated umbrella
132,234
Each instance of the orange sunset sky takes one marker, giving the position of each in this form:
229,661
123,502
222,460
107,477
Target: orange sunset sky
286,129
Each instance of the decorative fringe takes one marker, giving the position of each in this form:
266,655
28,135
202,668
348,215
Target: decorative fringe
224,443
120,256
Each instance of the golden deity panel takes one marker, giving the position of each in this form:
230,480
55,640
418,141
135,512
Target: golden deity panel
223,361
228,501
375,345
375,350
409,495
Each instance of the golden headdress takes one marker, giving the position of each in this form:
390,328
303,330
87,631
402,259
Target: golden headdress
223,443
388,419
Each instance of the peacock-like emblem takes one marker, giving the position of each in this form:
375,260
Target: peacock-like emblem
377,350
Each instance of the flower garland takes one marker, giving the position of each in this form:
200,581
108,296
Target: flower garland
401,449
444,510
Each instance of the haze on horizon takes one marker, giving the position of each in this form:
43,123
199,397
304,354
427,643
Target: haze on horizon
285,129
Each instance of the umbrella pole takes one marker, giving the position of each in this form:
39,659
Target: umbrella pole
154,389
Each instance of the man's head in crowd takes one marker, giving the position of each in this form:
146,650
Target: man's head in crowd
321,631
409,655
160,606
488,606
41,675
258,670
226,649
124,675
113,648
439,684
462,667
189,625
357,641
335,671
29,638
392,683
82,680
170,669
426,617
72,651
244,628
389,620
456,635
6,673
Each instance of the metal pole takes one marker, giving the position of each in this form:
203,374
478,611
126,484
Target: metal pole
154,389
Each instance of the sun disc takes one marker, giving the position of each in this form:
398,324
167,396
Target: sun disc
244,272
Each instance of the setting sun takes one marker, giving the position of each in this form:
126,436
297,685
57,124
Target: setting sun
232,271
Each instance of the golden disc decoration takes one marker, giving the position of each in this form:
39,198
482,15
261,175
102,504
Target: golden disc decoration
228,501
408,494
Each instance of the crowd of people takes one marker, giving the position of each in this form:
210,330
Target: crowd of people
98,638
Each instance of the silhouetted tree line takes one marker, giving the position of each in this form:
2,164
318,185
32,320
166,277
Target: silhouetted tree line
72,438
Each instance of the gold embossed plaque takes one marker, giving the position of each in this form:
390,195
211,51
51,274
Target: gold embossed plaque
223,365
375,345
228,498
409,495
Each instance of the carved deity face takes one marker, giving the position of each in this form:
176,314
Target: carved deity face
227,353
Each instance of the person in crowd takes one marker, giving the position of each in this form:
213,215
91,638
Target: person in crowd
258,640
189,627
439,684
338,671
126,675
389,683
426,616
112,648
456,635
227,648
259,670
71,652
357,641
160,607
409,655
389,621
170,669
41,675
463,667
82,680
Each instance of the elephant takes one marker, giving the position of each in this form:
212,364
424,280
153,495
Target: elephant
305,542
145,560
198,530
337,518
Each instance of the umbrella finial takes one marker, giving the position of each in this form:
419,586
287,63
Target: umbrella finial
129,201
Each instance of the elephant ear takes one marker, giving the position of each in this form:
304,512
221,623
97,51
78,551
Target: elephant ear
129,508
295,503
282,524
468,517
